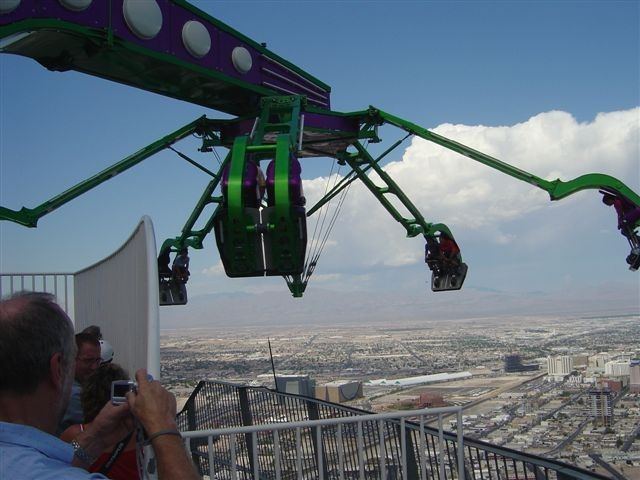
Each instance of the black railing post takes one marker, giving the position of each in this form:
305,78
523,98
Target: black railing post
247,420
192,424
412,463
314,414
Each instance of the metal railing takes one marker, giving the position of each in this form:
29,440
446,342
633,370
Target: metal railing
358,447
242,432
58,284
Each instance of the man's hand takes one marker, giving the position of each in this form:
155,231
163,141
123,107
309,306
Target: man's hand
111,425
155,409
153,405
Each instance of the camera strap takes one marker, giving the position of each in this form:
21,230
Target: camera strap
118,449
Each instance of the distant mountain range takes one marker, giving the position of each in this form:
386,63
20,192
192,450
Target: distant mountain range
325,307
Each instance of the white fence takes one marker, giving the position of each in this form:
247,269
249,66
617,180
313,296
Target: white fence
58,284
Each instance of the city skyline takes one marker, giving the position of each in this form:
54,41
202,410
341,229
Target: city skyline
584,413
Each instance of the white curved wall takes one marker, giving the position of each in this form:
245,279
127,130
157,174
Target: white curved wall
120,294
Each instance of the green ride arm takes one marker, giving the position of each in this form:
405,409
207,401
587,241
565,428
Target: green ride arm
363,161
195,238
29,216
557,189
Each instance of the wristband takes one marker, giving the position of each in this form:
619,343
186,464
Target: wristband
163,432
82,454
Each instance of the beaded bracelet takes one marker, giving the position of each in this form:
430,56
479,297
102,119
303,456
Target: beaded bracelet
82,454
163,432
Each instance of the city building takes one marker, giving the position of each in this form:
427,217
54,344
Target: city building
611,384
513,363
339,391
581,361
601,406
296,384
560,366
617,368
575,380
421,379
431,400
597,361
634,376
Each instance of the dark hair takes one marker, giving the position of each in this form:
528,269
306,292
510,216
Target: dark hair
32,329
93,330
83,337
96,390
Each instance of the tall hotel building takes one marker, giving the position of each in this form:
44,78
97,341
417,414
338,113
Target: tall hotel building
559,366
601,406
617,368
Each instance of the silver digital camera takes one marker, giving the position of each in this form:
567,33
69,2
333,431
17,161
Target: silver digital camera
119,389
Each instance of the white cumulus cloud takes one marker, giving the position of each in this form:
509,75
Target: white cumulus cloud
216,270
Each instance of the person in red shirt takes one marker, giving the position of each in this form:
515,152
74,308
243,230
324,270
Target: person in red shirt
118,462
449,251
445,252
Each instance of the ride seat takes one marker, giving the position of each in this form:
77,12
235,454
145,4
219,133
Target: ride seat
252,192
172,292
296,196
241,251
448,279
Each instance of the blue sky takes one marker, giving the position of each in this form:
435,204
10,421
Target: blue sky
551,87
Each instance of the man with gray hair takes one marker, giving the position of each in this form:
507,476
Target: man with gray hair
37,354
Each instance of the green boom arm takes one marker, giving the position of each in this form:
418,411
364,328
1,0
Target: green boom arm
29,216
557,189
360,162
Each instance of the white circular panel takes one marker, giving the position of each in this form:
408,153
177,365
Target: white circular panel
8,6
196,38
75,5
241,59
143,17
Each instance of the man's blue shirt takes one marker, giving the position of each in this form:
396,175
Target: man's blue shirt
28,453
74,414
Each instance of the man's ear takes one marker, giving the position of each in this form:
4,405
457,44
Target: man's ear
57,370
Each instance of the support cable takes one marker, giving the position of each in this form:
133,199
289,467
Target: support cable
320,220
332,222
318,245
192,162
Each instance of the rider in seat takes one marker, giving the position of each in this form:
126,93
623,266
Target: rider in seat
449,252
180,266
163,264
443,258
628,216
442,253
628,213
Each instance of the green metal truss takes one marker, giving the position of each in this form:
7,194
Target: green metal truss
277,135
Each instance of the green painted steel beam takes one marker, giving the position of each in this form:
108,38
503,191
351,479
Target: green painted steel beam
236,175
349,179
29,216
557,189
413,226
195,238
